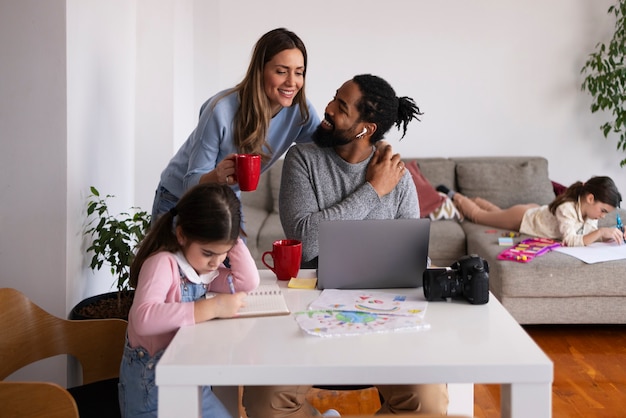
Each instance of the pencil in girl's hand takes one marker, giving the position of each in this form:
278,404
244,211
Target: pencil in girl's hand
230,284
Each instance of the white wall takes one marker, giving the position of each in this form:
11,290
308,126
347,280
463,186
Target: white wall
33,149
102,93
101,73
165,83
66,122
493,77
33,154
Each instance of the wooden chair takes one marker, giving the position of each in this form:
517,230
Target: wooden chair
30,334
36,400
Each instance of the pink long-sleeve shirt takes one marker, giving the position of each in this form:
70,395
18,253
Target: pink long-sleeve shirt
157,311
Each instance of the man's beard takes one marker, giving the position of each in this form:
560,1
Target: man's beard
325,138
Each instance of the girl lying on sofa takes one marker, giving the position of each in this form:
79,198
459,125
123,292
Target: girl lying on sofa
572,217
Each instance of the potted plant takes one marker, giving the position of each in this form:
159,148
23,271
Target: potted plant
114,239
605,78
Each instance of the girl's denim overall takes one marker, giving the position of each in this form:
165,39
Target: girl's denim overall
137,389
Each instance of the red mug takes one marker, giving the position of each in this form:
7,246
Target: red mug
286,255
248,171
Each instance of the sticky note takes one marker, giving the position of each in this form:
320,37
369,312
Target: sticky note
505,241
302,283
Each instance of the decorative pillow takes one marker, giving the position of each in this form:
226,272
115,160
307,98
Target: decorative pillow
446,211
558,188
429,198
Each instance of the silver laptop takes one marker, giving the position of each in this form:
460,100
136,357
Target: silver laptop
372,254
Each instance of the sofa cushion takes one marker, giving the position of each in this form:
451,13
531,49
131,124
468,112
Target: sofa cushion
438,171
253,219
552,274
270,231
446,243
505,181
260,198
275,174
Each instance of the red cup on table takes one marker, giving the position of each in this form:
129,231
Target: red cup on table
286,255
248,171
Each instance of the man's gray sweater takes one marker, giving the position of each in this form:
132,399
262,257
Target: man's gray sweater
317,185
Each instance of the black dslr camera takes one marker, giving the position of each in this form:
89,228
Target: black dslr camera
468,277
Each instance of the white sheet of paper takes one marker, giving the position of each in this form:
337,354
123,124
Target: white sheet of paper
596,252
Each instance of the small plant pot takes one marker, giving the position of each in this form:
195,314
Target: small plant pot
106,305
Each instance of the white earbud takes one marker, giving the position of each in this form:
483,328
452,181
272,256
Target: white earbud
362,133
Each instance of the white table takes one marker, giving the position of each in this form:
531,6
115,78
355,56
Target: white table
465,344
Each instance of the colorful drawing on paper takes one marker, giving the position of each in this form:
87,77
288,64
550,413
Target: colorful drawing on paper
371,302
354,312
329,323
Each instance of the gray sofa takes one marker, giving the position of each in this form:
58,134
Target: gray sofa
551,289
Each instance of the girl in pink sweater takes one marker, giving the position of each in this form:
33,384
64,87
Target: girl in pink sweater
192,249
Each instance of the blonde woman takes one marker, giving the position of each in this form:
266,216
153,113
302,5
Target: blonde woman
264,114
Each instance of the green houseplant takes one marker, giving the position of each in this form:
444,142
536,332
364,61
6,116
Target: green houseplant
605,78
114,239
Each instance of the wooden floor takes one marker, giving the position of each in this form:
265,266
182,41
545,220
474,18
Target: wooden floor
589,372
589,375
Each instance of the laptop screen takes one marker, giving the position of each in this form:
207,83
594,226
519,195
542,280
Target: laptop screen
372,253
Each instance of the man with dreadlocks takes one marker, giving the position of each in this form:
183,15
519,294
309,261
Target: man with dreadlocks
343,175
348,173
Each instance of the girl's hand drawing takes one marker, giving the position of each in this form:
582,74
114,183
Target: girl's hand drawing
612,234
222,305
229,305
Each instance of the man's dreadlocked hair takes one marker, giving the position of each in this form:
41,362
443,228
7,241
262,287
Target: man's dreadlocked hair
381,106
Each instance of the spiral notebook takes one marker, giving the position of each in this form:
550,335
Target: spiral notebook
265,300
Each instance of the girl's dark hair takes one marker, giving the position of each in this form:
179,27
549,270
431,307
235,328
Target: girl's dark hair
380,105
254,114
206,213
602,188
